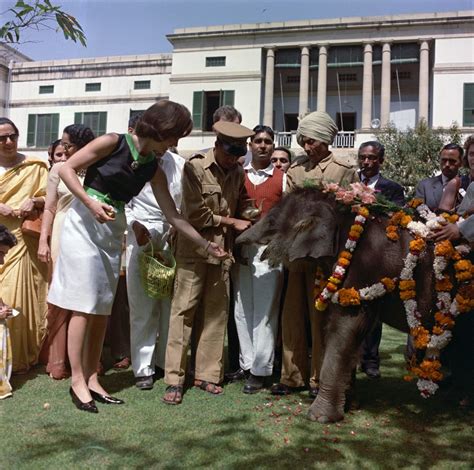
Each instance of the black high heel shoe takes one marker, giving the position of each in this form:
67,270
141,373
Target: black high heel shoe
80,405
108,400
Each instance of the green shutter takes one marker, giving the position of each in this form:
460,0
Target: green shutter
55,127
468,105
31,135
198,102
227,97
78,118
102,124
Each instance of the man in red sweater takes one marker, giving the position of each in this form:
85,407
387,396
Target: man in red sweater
257,287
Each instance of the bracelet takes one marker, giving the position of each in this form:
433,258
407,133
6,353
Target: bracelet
207,246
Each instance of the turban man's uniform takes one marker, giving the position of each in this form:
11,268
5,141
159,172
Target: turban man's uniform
299,303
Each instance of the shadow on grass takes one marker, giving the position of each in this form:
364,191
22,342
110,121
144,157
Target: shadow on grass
395,428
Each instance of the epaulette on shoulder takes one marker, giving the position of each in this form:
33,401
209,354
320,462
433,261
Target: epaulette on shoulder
196,155
299,160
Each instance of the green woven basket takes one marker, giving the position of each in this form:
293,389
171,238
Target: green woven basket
157,275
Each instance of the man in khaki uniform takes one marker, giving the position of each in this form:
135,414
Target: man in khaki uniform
315,133
213,193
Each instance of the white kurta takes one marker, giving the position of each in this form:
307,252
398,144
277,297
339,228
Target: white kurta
149,318
257,291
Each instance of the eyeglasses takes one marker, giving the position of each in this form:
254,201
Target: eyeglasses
371,158
4,138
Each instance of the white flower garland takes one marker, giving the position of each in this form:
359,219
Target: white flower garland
444,301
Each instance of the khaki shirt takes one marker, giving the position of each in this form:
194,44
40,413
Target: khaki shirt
329,170
208,194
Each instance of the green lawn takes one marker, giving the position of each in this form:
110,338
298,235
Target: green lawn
395,428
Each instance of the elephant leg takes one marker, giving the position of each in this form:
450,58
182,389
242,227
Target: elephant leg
344,334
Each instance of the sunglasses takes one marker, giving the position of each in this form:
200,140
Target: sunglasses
234,150
67,145
12,137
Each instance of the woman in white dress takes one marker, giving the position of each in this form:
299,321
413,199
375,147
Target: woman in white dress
87,269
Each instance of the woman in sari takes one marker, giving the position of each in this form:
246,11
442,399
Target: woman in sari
58,201
23,279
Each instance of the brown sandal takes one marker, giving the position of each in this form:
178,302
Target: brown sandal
176,395
209,387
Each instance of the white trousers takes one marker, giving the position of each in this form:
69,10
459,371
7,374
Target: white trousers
257,291
149,318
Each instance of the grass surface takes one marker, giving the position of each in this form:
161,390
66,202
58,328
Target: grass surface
395,428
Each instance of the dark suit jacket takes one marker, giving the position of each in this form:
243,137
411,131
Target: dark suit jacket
431,190
391,190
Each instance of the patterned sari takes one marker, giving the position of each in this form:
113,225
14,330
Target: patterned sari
23,278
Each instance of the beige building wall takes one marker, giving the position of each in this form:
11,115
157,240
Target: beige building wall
453,67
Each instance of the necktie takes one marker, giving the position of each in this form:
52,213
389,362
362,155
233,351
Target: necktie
366,181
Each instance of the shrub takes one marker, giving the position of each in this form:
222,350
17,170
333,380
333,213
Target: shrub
413,154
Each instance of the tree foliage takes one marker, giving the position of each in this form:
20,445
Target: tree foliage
413,154
39,14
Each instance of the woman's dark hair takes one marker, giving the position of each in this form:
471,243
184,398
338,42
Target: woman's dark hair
467,144
260,128
6,237
4,120
164,120
79,134
54,146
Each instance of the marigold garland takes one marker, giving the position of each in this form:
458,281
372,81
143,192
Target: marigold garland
428,371
343,261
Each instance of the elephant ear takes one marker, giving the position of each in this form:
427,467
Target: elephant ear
315,237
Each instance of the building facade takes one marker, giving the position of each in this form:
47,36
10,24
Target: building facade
365,72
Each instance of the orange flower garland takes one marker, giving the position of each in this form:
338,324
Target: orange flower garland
344,260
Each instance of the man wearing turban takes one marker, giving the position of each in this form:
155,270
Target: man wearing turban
315,133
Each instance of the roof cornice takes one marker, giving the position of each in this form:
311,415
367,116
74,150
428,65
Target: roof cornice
323,25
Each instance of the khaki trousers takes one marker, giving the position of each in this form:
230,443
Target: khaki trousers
200,301
298,306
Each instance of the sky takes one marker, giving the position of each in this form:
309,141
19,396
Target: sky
123,27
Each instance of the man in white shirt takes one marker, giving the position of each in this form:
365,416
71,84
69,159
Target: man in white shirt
149,318
257,287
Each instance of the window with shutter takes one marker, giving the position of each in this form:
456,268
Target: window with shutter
468,105
42,129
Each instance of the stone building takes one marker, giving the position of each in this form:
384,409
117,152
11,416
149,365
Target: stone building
364,71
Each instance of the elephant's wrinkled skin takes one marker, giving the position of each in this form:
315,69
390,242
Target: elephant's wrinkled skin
310,224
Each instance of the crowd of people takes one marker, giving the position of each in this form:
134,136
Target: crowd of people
105,200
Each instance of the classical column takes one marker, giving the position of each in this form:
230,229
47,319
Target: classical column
269,84
322,77
423,90
304,81
367,88
385,92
